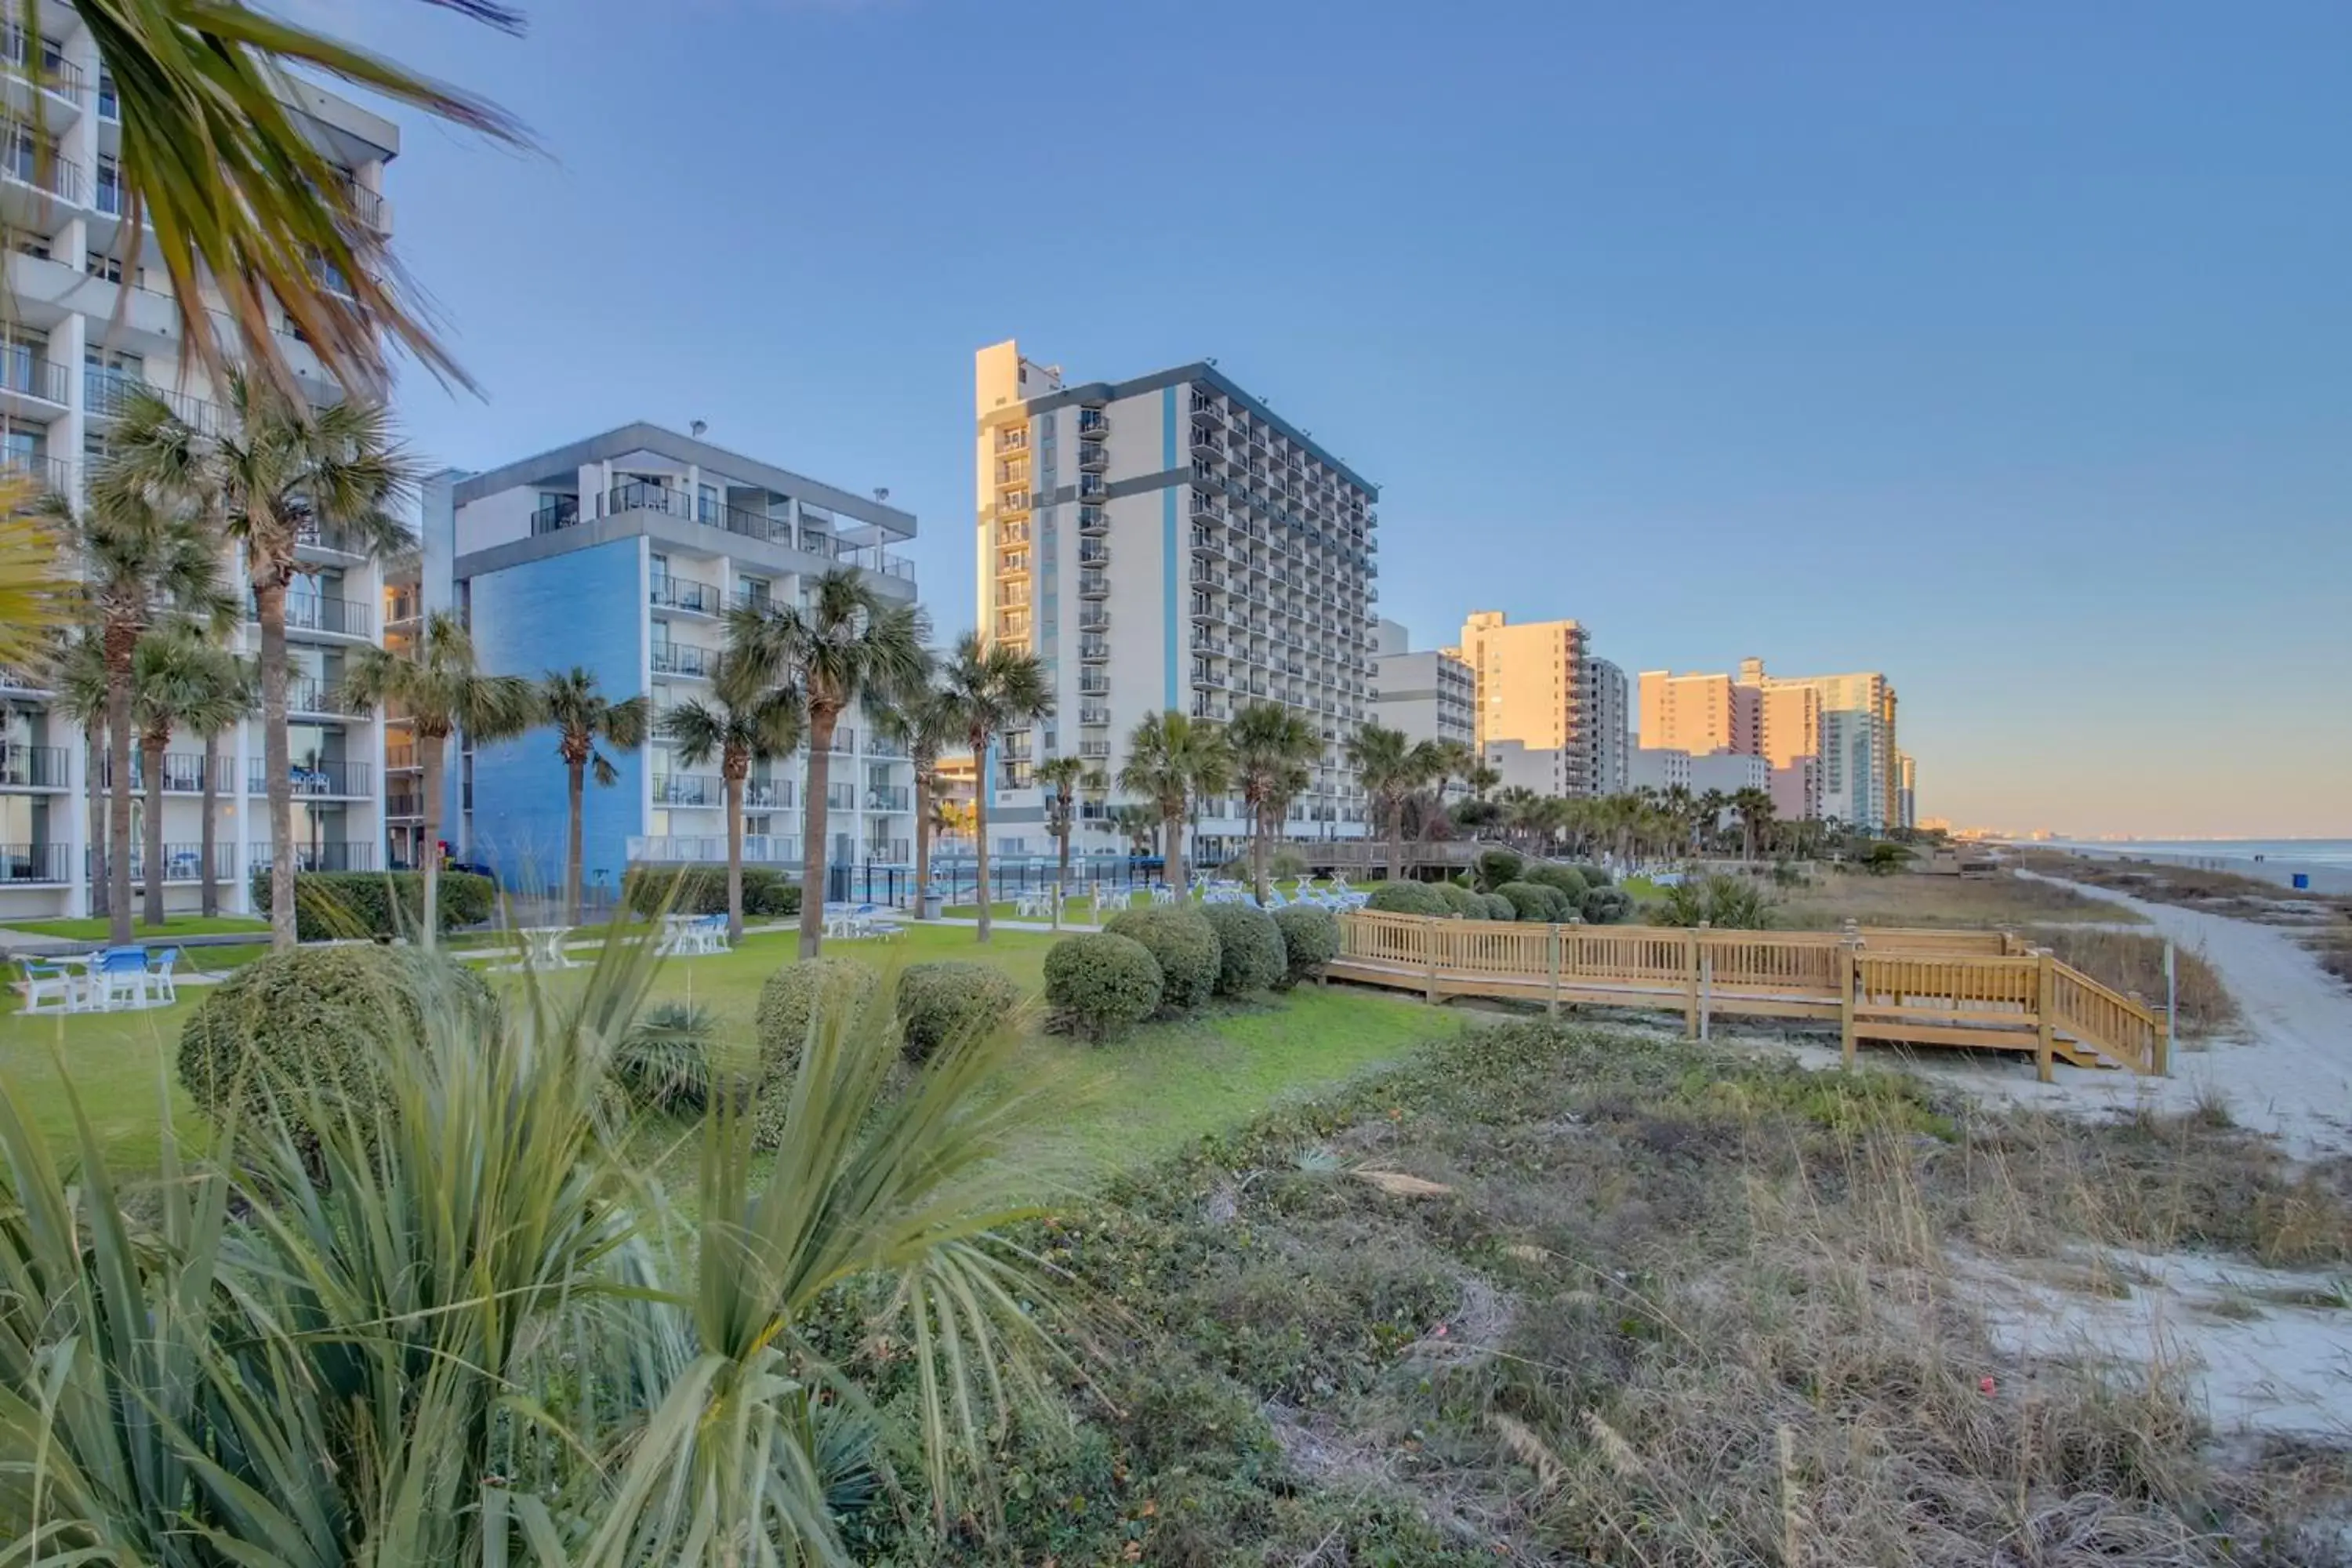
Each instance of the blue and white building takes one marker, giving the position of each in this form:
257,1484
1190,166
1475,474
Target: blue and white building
622,554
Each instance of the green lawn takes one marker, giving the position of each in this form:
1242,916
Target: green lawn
95,928
1161,1087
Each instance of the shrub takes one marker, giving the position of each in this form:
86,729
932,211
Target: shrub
1529,900
1286,862
1734,903
1406,898
332,904
1460,900
1249,948
1496,867
663,1063
951,999
1181,939
1566,878
317,1020
1101,984
1310,939
1594,876
838,988
1606,907
702,891
1498,908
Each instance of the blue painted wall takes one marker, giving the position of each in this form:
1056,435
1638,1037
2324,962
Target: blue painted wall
585,607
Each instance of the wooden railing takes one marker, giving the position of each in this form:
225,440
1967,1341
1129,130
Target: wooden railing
1981,989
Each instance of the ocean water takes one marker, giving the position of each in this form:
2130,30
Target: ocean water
2304,851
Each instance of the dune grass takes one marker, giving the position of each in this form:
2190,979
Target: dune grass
1916,899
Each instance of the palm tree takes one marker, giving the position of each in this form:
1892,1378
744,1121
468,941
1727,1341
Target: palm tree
247,210
140,564
1755,808
1272,747
927,723
223,692
1139,824
1391,767
1481,778
1172,763
77,676
279,473
851,644
585,720
745,721
1064,777
180,680
991,688
441,685
35,599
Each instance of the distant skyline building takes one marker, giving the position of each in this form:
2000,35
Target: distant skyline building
1538,687
1861,780
1698,713
1671,767
1611,725
1429,695
1167,543
622,554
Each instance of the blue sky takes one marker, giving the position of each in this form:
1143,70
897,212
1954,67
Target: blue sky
2005,348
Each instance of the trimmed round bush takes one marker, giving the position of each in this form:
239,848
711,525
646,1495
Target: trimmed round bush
1496,867
1459,899
952,1000
1099,985
833,988
328,905
1310,939
1407,898
1181,939
1530,900
318,1021
1594,876
1498,908
1566,878
1607,906
1249,948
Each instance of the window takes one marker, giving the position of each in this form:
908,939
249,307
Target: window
33,245
110,185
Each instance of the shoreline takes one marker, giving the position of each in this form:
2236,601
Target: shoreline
2321,876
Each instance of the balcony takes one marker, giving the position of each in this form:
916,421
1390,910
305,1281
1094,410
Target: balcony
402,805
1094,553
310,697
844,743
1093,684
769,794
32,767
400,759
1203,707
1094,620
1093,424
1205,509
1093,652
33,865
51,474
321,615
16,678
710,849
888,851
1012,563
109,394
689,790
555,514
1012,503
1091,487
1013,440
887,797
29,161
1093,718
884,746
1207,407
1093,457
328,538
1095,751
683,658
357,854
341,780
1093,585
1013,533
683,595
840,797
31,387
185,862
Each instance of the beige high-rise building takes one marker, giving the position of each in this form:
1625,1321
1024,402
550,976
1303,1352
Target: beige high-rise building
1537,685
1789,737
1860,774
1697,713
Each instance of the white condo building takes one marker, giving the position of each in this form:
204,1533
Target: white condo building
86,323
1167,543
1429,695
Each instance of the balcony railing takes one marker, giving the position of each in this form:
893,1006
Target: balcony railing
844,743
52,474
688,789
353,855
883,746
895,852
403,803
27,158
23,864
307,696
642,495
109,394
323,613
768,794
710,849
684,594
32,767
22,371
887,797
183,772
552,516
350,780
682,658
1093,423
184,862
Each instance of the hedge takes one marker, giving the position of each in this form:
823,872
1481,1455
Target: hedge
1496,867
331,904
1594,876
1567,879
1498,908
951,1000
1310,939
1099,984
1459,899
1407,898
779,1025
1533,901
702,891
1607,906
318,1020
1182,943
1249,949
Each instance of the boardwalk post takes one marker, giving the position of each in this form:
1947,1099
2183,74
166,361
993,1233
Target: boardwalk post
1429,936
1705,986
2163,1063
1690,982
2046,1007
1557,939
1849,976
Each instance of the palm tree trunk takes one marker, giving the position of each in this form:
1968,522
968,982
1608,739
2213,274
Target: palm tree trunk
1260,831
980,828
1396,841
1172,867
820,769
151,757
429,760
1062,876
208,831
118,645
93,743
576,788
270,609
922,844
734,853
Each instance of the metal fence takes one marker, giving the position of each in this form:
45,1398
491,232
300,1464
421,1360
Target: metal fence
957,881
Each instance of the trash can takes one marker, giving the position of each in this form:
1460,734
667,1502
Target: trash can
2301,880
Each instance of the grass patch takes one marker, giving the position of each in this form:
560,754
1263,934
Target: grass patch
1564,1294
1918,899
95,928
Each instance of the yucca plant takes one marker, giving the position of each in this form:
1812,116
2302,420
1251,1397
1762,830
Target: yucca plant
457,1325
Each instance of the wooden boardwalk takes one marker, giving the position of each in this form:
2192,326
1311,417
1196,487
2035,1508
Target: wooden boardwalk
1982,990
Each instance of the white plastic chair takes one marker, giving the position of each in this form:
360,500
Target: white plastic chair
159,974
49,980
